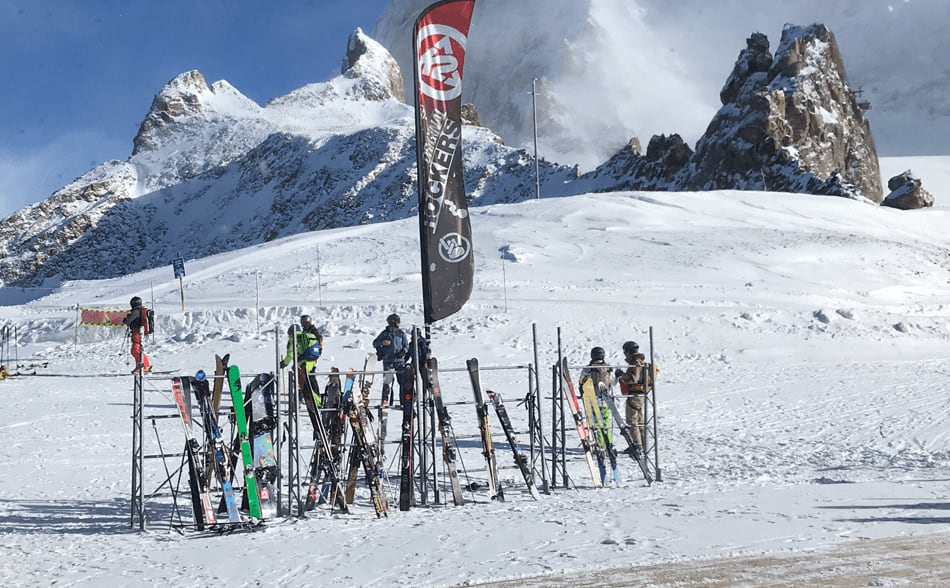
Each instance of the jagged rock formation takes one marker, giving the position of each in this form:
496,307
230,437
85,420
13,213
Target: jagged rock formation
788,123
367,59
907,193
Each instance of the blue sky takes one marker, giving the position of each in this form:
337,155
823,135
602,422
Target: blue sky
79,76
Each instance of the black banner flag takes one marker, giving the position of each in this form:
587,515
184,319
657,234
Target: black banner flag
439,38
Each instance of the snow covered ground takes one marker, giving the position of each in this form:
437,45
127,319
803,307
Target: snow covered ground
802,399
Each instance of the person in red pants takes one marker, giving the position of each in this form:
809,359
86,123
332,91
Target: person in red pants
136,320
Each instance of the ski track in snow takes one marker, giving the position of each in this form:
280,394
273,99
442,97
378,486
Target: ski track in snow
794,417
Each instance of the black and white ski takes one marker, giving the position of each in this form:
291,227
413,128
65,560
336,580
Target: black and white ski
521,460
198,483
488,450
449,444
633,449
406,442
221,461
365,447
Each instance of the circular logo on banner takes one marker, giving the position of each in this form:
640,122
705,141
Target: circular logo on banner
454,247
441,53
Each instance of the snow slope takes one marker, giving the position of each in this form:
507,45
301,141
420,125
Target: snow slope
802,399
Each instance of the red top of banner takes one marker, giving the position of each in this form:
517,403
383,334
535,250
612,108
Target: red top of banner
441,35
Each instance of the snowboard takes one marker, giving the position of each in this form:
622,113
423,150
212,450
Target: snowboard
263,423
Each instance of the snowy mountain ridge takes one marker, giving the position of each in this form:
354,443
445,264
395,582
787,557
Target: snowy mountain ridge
212,171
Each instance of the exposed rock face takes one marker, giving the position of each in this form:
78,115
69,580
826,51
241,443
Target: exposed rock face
907,193
792,126
788,123
470,115
368,60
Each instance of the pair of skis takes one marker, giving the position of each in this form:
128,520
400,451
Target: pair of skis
481,408
600,428
593,452
199,482
365,447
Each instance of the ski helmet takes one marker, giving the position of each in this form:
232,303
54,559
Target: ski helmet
597,354
306,321
392,320
136,302
631,347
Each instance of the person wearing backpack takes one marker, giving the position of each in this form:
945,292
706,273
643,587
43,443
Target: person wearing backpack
137,321
631,386
307,341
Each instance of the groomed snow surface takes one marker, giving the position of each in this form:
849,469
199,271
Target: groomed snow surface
802,401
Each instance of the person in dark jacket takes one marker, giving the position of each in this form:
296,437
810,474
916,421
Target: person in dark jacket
133,321
392,347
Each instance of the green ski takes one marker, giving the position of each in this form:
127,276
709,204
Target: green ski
237,397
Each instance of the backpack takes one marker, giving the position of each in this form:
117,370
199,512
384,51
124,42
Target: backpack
312,353
147,316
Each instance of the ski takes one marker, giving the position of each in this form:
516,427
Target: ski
407,403
600,429
582,431
263,421
237,398
521,460
221,461
220,375
323,466
365,447
200,496
449,444
494,484
633,449
365,385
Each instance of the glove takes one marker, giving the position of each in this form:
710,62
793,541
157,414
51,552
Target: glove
618,373
283,363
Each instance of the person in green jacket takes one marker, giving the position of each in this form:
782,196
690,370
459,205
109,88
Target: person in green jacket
307,342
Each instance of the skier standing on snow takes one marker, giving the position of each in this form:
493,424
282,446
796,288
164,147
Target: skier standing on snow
631,384
307,341
392,346
598,371
134,321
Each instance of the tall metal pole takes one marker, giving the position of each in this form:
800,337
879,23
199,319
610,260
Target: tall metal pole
277,442
656,446
537,167
536,411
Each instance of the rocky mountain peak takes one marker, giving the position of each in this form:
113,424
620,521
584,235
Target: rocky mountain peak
367,59
184,97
